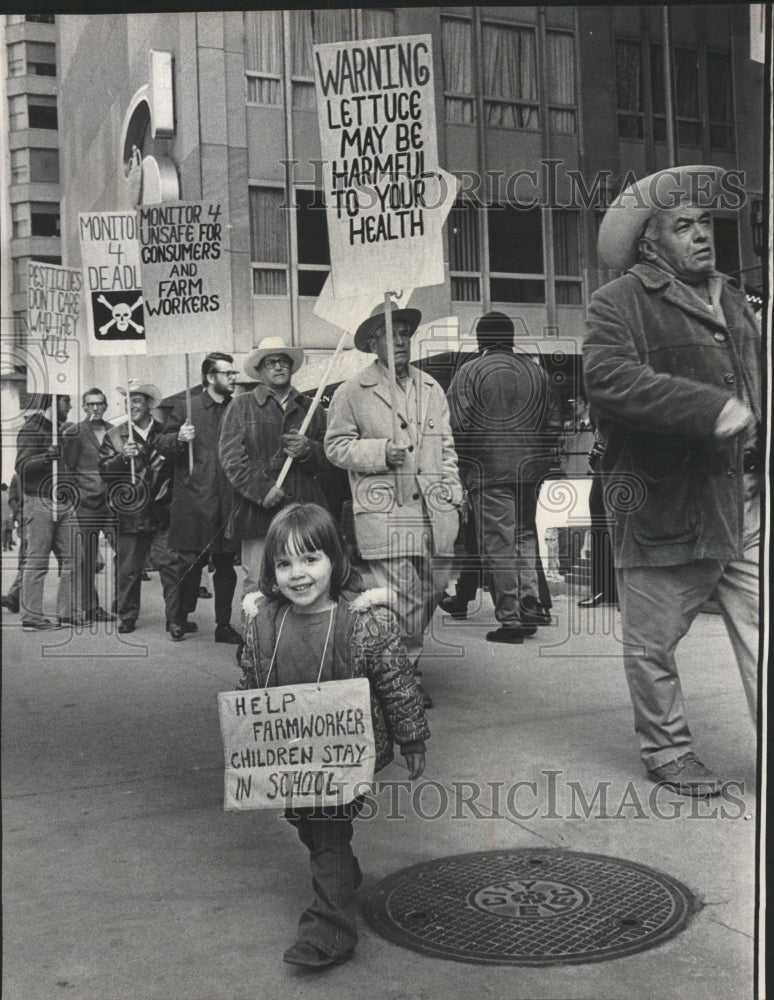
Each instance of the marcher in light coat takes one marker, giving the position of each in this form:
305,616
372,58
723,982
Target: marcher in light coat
408,548
672,367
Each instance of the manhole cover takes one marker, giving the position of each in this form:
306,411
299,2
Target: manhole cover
527,907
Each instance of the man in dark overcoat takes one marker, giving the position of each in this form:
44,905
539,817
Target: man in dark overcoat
672,363
201,499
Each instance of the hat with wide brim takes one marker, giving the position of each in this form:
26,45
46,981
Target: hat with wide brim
271,345
627,217
146,388
376,320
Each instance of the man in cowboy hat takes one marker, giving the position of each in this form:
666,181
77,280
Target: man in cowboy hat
672,367
260,430
408,548
138,481
506,420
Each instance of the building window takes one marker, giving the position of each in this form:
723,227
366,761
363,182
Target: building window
312,239
376,23
41,112
20,330
44,218
567,257
268,241
16,61
720,100
464,256
629,90
44,166
313,27
17,113
458,89
510,77
686,85
20,166
516,254
726,232
20,220
562,102
40,18
41,59
263,56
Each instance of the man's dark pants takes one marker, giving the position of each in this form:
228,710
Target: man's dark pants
90,524
190,566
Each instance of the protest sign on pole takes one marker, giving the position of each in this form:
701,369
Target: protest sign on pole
110,258
186,277
386,197
52,345
300,745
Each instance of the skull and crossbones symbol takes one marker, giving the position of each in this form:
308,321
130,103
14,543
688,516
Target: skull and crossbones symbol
122,316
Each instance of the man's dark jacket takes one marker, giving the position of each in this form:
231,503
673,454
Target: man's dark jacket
142,506
202,499
659,367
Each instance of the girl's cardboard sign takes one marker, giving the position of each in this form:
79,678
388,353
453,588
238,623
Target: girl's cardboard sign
303,745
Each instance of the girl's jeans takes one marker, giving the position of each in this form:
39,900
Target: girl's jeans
329,923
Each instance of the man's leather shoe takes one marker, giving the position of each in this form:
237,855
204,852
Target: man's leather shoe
126,626
204,593
227,633
594,601
533,613
511,633
176,632
686,775
41,625
310,957
144,577
454,606
11,605
187,626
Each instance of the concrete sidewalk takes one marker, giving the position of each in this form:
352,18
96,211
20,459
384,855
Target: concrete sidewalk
125,880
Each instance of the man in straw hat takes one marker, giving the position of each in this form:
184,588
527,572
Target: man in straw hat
407,541
138,480
672,367
260,430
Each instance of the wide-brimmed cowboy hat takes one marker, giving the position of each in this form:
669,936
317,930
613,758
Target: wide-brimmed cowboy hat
146,388
272,345
376,320
627,217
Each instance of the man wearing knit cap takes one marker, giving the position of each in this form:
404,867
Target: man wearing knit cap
673,371
506,420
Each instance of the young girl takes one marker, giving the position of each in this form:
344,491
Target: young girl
304,624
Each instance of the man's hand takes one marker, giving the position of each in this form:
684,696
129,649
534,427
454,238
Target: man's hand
395,454
130,449
186,433
275,495
296,445
732,419
415,762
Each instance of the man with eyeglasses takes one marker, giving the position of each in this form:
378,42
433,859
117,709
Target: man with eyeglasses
202,500
260,430
80,445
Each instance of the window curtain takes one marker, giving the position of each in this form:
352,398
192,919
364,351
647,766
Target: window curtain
263,54
510,76
463,238
301,63
268,226
456,40
687,96
377,23
561,80
719,86
567,256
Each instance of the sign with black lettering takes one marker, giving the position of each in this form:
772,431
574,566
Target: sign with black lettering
53,308
110,259
186,277
298,745
386,197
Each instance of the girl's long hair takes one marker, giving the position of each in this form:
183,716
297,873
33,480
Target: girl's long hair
304,528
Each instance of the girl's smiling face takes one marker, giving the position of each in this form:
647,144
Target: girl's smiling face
304,578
